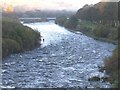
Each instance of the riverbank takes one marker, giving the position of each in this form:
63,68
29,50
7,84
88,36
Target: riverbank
91,29
94,37
16,37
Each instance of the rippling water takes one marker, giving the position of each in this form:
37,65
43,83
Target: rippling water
51,32
65,59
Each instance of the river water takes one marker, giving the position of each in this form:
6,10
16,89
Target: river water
65,59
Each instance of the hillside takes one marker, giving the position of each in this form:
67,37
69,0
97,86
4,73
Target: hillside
44,13
99,21
100,12
16,37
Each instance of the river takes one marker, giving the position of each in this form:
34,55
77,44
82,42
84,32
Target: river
65,59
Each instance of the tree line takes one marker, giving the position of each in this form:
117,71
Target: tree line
44,13
102,13
99,20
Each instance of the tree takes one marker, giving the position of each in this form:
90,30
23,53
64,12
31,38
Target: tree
71,22
16,37
101,31
61,20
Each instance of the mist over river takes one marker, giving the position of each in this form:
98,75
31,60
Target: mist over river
65,59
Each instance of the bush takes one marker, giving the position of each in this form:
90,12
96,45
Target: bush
95,78
17,37
71,22
111,64
101,31
112,67
10,46
61,20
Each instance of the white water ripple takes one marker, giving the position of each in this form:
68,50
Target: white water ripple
65,59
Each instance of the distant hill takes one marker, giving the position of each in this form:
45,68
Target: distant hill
99,21
45,13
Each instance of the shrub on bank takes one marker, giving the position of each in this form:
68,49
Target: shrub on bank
112,67
101,31
17,38
72,22
10,46
61,20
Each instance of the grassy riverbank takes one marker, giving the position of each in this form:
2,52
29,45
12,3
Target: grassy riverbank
16,37
103,27
98,31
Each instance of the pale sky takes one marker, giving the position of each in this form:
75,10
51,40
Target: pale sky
50,4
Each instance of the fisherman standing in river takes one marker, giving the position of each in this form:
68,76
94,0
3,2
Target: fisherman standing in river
42,39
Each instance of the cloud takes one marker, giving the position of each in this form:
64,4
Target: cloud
112,0
63,4
50,4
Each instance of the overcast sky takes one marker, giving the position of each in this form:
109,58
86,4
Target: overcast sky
50,4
